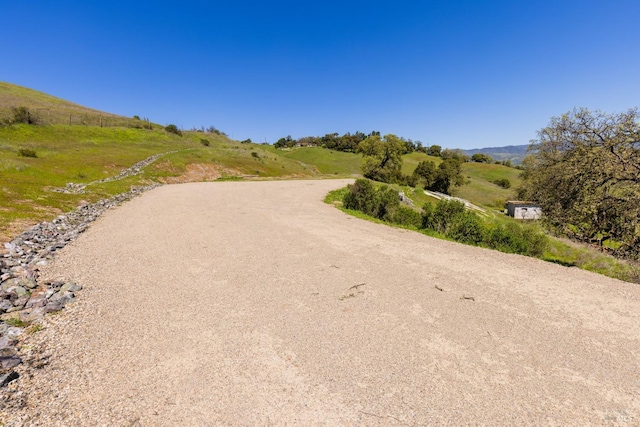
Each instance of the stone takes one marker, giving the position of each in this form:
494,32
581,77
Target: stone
20,302
8,362
56,284
63,296
37,301
28,283
9,283
5,305
6,343
19,291
9,331
32,314
8,377
70,287
54,306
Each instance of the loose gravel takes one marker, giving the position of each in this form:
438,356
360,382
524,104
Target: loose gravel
254,303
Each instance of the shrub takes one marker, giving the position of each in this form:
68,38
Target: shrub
387,202
442,216
404,215
254,154
502,182
24,152
361,197
22,115
467,228
171,128
518,239
380,203
205,142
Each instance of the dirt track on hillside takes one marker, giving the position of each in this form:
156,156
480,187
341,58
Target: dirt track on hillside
254,303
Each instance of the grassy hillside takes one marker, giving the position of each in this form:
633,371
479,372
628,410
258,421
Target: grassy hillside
46,109
480,189
82,154
329,162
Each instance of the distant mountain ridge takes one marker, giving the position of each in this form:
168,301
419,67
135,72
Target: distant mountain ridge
515,153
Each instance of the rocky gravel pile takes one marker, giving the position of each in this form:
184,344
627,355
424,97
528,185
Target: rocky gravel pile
23,298
73,188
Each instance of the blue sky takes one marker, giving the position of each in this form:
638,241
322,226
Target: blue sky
461,74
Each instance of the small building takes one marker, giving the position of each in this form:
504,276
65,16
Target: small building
523,210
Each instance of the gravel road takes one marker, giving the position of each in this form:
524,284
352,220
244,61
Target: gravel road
254,303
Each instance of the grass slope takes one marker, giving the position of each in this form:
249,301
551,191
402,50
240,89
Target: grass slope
480,189
82,154
47,109
328,162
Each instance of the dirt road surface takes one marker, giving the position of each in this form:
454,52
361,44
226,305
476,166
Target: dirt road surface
254,303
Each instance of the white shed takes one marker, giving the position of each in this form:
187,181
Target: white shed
523,210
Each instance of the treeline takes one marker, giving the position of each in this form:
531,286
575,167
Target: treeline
447,218
349,143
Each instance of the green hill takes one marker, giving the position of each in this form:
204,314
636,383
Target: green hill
329,162
480,189
45,109
37,161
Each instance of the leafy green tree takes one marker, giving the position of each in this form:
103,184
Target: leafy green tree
434,150
287,142
171,128
481,158
382,157
425,174
456,153
449,175
584,170
502,182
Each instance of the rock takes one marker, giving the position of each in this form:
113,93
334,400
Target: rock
6,343
5,305
20,302
8,283
10,331
54,306
31,314
37,301
28,283
19,291
8,362
70,287
8,377
61,295
56,284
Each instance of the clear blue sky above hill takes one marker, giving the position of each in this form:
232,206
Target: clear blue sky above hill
455,73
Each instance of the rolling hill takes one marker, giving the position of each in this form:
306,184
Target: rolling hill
515,153
46,109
